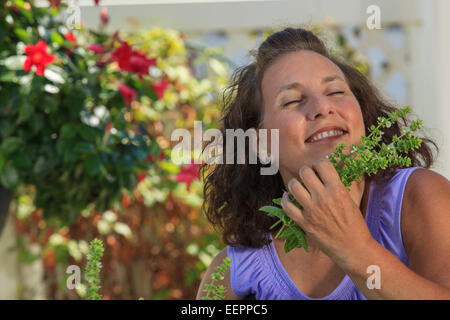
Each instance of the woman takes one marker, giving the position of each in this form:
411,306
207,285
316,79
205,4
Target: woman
394,225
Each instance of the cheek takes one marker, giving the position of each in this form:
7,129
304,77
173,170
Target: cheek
289,130
355,118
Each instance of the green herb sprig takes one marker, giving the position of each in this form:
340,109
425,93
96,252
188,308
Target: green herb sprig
362,159
93,268
214,292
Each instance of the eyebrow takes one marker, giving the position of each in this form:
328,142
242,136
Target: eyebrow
297,85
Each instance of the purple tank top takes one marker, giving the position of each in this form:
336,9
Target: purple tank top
258,273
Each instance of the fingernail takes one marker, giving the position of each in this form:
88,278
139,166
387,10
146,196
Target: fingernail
284,198
290,184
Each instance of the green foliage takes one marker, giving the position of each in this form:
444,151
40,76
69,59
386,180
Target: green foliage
214,292
67,132
362,159
93,269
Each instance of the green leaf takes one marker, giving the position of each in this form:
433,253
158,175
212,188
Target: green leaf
9,176
92,164
10,145
295,238
25,11
26,110
87,133
129,180
40,166
57,38
277,201
9,76
69,154
2,162
273,211
20,160
22,34
84,147
68,130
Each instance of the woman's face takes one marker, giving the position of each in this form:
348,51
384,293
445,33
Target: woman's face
304,92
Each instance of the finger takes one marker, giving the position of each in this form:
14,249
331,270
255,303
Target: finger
311,181
326,171
294,212
299,192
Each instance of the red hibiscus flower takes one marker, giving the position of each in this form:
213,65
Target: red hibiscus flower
96,2
140,64
96,48
37,56
127,93
132,61
122,55
188,174
160,87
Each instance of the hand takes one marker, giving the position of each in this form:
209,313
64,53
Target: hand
330,217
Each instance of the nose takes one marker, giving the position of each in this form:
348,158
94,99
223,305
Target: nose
320,105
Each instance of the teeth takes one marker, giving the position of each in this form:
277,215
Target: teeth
326,134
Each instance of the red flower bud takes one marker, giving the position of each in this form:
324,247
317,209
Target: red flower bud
69,36
125,201
104,15
108,126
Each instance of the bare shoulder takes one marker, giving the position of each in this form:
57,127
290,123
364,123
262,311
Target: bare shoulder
217,261
425,224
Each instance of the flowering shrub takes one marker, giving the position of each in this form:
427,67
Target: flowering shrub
65,113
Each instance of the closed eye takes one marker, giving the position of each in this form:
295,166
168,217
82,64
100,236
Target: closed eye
330,94
337,92
288,103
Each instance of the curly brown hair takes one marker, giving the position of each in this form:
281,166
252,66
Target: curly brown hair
233,193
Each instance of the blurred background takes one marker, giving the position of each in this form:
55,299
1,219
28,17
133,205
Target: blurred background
157,242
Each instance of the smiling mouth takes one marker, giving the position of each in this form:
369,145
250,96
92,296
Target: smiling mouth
327,139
